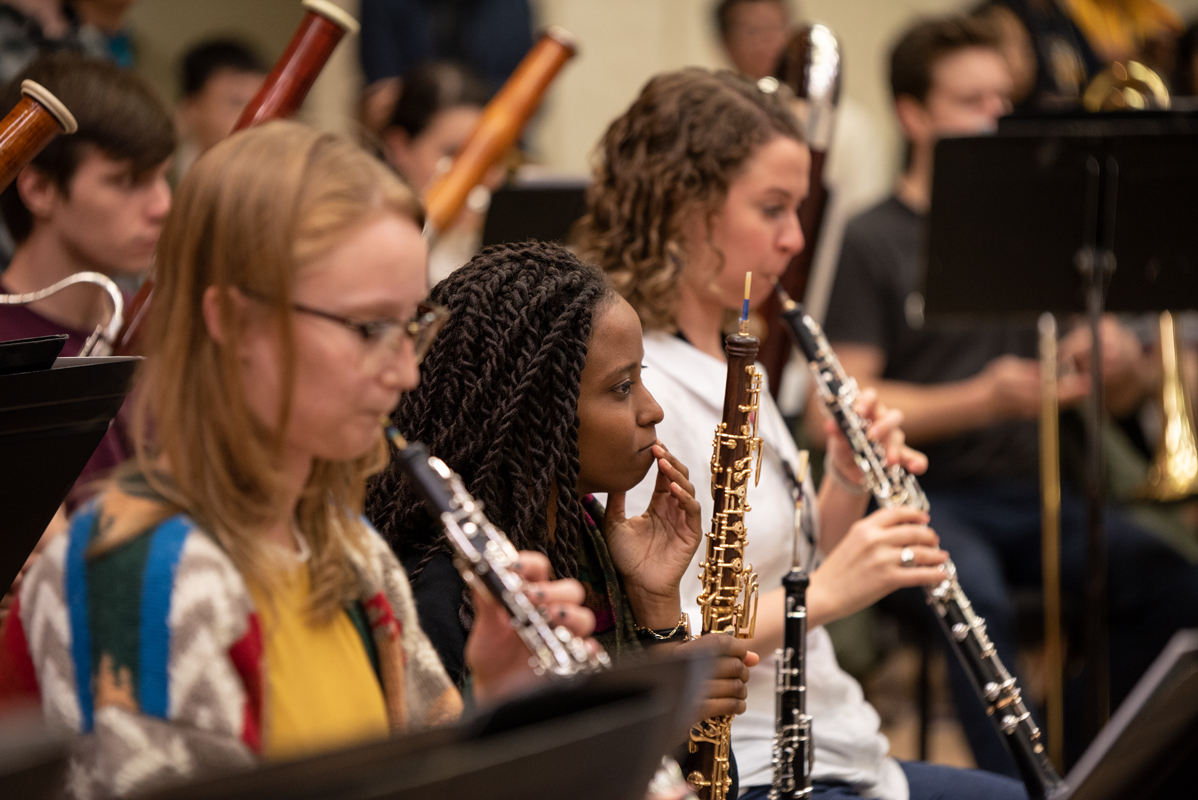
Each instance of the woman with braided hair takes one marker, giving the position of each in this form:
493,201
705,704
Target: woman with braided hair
532,393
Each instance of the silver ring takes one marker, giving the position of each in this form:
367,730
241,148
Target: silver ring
907,557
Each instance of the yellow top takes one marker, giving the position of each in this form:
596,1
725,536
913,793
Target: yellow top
321,692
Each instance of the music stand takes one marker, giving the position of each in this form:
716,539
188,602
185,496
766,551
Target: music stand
1152,733
51,421
542,210
597,737
1037,219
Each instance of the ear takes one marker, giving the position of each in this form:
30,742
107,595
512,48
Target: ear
38,192
913,119
396,143
211,308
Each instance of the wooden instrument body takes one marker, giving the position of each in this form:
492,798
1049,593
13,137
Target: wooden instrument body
26,130
502,121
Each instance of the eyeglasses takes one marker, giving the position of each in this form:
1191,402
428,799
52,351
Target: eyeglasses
382,337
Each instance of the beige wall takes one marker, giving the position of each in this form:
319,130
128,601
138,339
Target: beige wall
623,43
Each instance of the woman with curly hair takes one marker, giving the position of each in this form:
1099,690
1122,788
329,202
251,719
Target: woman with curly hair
223,600
533,394
698,183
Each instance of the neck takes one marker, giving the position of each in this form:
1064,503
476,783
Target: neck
100,16
296,469
47,13
915,186
42,260
698,317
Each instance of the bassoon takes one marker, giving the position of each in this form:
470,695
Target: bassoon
497,130
729,585
322,28
811,67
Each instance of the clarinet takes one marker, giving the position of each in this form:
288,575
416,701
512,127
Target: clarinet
485,554
794,752
894,486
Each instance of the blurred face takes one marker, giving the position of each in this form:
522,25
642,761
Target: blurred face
756,36
344,383
212,113
112,216
756,229
617,416
970,90
419,158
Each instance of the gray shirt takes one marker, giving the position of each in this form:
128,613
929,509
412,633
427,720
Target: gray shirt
880,266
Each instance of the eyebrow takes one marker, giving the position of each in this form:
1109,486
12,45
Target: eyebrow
629,367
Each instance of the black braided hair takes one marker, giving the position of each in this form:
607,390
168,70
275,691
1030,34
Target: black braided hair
498,402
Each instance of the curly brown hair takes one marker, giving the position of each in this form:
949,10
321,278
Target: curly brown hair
678,147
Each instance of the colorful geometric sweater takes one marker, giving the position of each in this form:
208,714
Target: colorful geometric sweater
165,630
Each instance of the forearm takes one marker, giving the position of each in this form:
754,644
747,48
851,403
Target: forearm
935,412
838,510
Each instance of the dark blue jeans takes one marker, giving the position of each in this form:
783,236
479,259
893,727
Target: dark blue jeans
992,532
927,782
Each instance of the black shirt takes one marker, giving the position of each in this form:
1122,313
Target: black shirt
880,266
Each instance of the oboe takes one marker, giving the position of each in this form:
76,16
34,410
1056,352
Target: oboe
895,486
729,595
486,554
794,752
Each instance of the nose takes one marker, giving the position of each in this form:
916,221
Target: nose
158,201
649,413
401,371
792,240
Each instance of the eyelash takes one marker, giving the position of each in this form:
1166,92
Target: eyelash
624,389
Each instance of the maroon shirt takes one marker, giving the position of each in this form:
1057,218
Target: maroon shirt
19,322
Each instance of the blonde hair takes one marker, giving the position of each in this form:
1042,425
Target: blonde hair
248,215
677,149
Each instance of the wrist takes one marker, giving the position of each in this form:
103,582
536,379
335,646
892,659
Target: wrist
654,611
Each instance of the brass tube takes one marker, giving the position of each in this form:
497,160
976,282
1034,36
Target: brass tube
1050,540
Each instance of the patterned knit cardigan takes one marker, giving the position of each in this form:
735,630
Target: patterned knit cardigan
183,696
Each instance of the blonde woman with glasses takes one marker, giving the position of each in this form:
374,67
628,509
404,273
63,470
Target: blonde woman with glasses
224,600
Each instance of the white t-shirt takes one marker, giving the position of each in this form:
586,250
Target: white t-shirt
849,747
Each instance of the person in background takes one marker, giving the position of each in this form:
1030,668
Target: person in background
754,34
489,36
1048,57
441,103
28,27
104,22
217,80
94,200
970,394
1124,30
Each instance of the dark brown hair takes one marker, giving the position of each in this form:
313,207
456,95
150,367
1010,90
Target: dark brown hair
118,113
928,41
678,148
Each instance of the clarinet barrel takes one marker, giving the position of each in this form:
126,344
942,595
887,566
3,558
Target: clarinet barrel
29,127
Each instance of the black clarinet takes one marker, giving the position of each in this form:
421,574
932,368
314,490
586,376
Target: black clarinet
484,553
894,486
794,752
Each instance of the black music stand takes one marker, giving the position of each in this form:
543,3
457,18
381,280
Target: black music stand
597,737
53,414
542,210
1069,214
1154,732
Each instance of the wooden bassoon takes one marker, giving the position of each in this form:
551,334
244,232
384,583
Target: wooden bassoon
811,66
498,129
29,127
322,28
